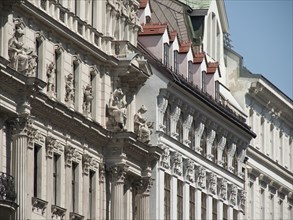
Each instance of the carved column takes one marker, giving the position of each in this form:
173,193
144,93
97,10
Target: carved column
143,205
118,174
19,170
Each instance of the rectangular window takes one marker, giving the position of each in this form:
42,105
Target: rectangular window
203,81
215,204
37,171
190,75
39,52
56,176
235,214
191,203
91,193
167,191
74,186
179,200
225,211
176,65
166,54
203,206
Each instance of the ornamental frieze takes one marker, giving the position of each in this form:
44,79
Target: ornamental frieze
189,170
201,176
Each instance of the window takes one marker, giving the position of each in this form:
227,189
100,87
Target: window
166,120
225,211
91,193
215,149
176,65
57,68
235,214
179,128
75,75
166,54
203,143
215,206
203,81
56,176
38,59
179,200
191,203
148,19
37,171
167,191
74,186
191,135
203,206
190,75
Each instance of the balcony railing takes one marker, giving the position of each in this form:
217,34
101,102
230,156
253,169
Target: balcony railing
7,189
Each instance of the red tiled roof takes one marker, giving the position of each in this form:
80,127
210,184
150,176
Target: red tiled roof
184,47
153,29
173,35
198,58
143,4
212,67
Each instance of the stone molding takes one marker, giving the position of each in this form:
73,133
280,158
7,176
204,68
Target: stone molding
233,194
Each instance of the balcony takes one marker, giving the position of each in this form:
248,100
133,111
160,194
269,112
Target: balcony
7,196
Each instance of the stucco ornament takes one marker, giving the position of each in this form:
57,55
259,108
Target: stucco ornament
21,58
51,79
117,109
87,100
69,88
142,127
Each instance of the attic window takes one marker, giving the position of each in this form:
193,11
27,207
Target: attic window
176,66
148,19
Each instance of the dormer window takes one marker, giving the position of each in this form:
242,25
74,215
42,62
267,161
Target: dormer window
166,54
176,65
148,19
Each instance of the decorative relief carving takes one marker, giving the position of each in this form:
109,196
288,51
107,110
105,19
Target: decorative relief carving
201,176
118,173
144,185
69,90
117,110
50,145
189,170
102,172
162,106
221,147
87,100
242,198
57,212
39,204
198,134
31,133
165,160
233,194
212,183
21,58
51,87
71,153
177,163
223,188
142,127
210,140
89,162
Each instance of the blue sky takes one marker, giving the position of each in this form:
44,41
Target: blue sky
261,31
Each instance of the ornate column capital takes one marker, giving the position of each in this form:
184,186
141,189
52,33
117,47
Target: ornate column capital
143,185
165,159
189,170
201,176
118,172
177,163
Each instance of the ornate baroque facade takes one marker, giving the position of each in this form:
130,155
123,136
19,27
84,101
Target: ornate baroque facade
108,110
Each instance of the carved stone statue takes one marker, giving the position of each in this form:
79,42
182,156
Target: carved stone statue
69,88
87,100
213,183
51,79
117,109
189,170
201,176
233,194
165,162
21,58
177,163
223,188
142,127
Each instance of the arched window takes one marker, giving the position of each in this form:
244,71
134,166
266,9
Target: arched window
166,120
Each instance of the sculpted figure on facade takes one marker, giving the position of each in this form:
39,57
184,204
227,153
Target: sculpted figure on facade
118,172
51,79
223,188
189,170
233,194
21,58
212,183
165,161
177,163
117,109
69,88
87,100
201,176
242,198
142,127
